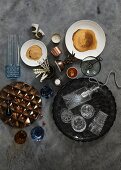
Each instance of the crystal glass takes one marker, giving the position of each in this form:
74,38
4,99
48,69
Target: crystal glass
91,66
75,98
46,92
37,133
78,123
12,67
98,122
66,116
87,111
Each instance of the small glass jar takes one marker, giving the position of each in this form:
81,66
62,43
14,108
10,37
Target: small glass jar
78,123
66,116
37,133
87,111
46,92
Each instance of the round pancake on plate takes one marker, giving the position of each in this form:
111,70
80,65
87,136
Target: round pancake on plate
82,52
84,40
34,52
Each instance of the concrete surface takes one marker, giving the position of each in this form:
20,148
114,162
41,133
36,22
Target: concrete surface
57,152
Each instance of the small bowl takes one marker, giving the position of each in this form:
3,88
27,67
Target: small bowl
72,72
56,38
20,137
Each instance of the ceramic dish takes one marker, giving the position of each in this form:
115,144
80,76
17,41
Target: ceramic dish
26,46
86,24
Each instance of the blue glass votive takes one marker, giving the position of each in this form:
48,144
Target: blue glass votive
46,92
37,133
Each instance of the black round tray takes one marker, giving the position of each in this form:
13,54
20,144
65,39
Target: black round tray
102,100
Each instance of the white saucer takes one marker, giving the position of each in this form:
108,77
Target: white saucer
24,49
86,24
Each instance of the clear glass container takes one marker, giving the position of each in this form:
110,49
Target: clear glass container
66,116
37,133
87,111
78,123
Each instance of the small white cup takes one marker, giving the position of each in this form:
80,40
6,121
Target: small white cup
56,38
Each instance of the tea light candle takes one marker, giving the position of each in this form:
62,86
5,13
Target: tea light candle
56,38
57,82
72,72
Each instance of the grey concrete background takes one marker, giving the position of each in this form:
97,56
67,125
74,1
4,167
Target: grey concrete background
57,152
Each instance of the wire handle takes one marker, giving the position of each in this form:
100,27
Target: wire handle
96,81
107,79
115,79
99,58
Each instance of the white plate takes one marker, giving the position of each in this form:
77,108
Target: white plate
24,49
85,24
